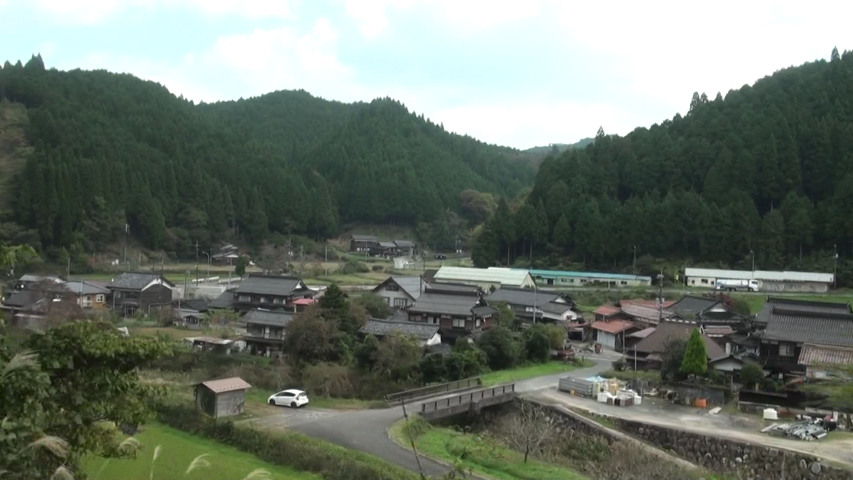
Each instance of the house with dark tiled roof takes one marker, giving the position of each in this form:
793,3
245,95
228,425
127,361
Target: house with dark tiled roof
425,334
400,291
265,330
707,310
458,310
269,292
798,332
363,243
140,292
649,352
549,306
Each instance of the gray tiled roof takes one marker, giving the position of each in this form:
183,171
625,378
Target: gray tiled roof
267,317
523,296
411,285
269,285
135,280
444,304
24,298
365,238
85,288
788,325
690,305
667,332
387,245
419,331
224,300
441,287
197,304
801,306
404,243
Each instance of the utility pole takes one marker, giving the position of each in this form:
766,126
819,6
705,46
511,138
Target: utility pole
835,267
196,263
534,302
68,269
752,252
326,260
635,260
208,264
124,246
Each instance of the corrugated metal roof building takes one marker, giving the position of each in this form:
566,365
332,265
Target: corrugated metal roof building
485,277
771,281
569,278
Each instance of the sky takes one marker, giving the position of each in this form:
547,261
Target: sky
517,73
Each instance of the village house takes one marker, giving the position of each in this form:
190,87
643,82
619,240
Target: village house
400,291
89,295
649,352
363,243
227,255
424,334
140,292
548,306
459,310
708,311
269,292
265,331
800,335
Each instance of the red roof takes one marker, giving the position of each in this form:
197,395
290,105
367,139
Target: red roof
304,301
613,326
606,310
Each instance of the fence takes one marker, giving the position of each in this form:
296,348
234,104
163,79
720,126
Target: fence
467,398
433,390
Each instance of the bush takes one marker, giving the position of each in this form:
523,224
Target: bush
537,343
378,268
375,305
286,448
329,380
353,266
503,349
751,375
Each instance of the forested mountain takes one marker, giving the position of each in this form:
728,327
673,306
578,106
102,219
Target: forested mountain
768,169
105,149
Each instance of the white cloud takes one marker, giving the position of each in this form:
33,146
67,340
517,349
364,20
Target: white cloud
91,12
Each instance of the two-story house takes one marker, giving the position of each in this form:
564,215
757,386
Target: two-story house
140,292
363,243
400,291
265,330
801,334
269,292
548,306
459,310
88,295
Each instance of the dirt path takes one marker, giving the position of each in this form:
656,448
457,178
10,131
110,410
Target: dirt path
689,421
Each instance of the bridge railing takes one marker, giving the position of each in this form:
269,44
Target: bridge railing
469,397
433,390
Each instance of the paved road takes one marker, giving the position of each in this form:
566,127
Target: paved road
367,430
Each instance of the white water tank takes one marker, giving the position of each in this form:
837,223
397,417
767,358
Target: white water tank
770,414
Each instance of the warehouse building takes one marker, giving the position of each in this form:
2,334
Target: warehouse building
485,278
769,281
580,279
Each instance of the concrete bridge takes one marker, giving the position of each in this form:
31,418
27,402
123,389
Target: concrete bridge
467,402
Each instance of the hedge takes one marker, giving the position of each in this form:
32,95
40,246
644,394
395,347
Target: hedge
285,448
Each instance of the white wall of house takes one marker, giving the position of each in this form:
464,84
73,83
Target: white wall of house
397,298
607,340
728,365
435,340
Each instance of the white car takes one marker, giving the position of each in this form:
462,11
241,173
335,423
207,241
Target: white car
289,398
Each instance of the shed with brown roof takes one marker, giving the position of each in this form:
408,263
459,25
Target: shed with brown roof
222,398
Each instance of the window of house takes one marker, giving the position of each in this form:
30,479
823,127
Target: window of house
87,301
786,349
392,287
399,302
99,298
263,300
623,282
277,300
245,298
704,281
458,323
445,317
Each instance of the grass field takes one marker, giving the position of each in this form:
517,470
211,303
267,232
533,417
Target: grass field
177,451
482,456
529,371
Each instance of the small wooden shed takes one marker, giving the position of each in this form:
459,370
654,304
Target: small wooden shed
222,398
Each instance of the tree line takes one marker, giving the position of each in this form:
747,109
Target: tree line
106,150
764,173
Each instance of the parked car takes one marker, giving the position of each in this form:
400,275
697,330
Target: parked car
440,256
289,398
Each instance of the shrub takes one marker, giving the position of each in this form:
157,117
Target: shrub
353,266
695,356
375,305
537,344
751,375
502,348
378,268
328,380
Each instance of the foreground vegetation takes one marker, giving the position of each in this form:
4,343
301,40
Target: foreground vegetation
482,456
176,453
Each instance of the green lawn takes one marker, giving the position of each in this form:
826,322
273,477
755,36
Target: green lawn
177,451
482,456
529,371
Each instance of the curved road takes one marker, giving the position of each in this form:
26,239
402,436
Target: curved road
367,430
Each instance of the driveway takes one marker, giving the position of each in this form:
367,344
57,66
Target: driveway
367,430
